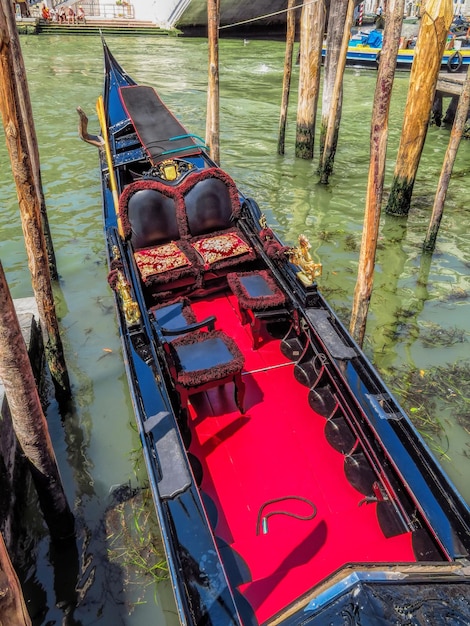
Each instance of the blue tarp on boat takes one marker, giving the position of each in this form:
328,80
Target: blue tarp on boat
372,39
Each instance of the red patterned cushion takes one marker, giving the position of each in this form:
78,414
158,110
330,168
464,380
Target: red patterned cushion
160,259
219,247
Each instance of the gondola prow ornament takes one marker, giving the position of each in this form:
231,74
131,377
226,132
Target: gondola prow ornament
300,255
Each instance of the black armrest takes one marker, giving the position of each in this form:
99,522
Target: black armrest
209,322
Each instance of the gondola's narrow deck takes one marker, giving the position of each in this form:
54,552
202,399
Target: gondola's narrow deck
275,463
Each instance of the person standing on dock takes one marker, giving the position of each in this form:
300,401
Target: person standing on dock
379,18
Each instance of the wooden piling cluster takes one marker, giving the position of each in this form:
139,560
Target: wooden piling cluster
16,373
430,45
436,20
312,27
28,418
30,133
290,39
449,160
378,152
341,18
22,147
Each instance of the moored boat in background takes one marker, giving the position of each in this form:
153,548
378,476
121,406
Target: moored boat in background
289,485
364,51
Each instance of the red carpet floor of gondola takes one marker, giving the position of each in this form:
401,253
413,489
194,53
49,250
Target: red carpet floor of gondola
271,459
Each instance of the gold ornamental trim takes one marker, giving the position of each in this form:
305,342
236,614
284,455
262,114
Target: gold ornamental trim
129,305
123,289
172,169
300,255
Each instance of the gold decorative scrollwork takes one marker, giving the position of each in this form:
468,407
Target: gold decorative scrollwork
129,305
172,169
300,255
123,288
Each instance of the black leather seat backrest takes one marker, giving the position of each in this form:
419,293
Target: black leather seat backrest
152,217
208,206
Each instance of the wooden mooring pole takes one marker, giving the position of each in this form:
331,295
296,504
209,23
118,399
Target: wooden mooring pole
339,32
213,114
312,26
290,39
430,45
10,96
30,131
29,421
378,151
449,160
13,609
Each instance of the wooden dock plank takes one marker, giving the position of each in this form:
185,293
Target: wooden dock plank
450,84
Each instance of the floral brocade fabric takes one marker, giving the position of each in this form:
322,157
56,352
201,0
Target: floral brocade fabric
160,259
219,247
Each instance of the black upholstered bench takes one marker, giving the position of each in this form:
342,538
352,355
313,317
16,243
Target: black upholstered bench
182,235
259,299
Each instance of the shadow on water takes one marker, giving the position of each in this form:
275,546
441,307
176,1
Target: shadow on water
391,259
72,582
115,560
424,391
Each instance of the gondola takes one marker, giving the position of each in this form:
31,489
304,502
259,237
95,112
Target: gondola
289,485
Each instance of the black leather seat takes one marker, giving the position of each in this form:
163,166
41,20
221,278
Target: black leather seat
212,207
151,221
184,233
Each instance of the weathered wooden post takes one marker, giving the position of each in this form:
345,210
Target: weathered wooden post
378,151
28,201
430,45
12,605
30,132
312,25
212,119
339,32
290,39
449,160
28,419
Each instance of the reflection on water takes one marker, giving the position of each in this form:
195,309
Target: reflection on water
419,309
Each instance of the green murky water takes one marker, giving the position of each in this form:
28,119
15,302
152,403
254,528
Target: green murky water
418,330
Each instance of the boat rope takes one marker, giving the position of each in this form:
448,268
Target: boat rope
266,369
262,521
262,17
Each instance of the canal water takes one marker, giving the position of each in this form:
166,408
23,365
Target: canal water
418,329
